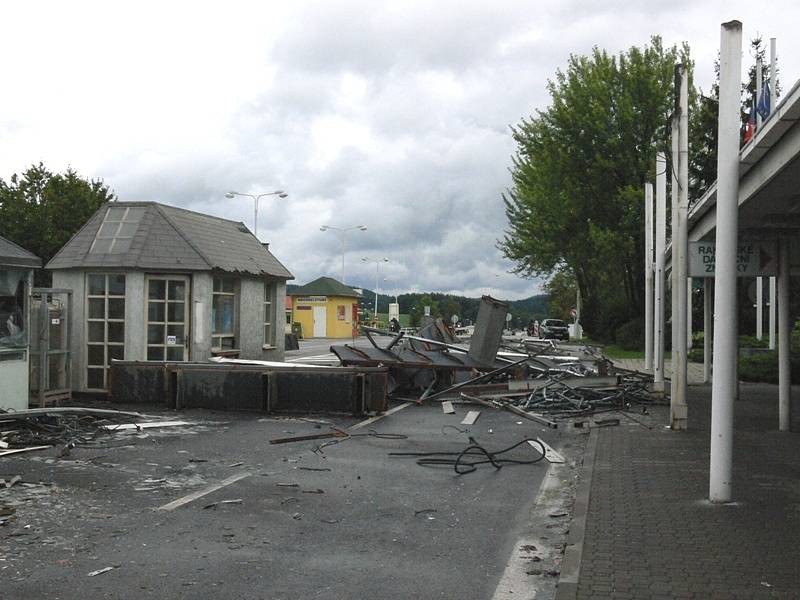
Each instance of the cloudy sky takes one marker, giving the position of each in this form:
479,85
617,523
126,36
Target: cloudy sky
394,115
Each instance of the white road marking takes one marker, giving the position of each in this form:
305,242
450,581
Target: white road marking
205,491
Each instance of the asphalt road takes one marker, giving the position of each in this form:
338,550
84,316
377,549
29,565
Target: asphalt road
347,522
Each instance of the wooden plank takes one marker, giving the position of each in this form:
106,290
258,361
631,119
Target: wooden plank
447,408
147,425
18,450
471,417
204,492
371,420
550,455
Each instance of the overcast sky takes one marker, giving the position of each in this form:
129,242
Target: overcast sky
394,115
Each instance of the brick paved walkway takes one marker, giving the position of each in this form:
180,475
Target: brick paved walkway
650,533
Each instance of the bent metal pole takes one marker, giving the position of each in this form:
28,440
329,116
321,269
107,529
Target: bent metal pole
723,386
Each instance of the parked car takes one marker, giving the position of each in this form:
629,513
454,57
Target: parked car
554,329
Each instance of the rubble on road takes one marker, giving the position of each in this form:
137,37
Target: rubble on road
67,428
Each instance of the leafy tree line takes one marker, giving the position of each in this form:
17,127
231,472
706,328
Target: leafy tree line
575,205
41,210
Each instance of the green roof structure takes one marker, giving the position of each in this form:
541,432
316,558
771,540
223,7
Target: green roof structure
325,286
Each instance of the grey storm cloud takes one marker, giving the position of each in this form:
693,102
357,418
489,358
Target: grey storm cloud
392,115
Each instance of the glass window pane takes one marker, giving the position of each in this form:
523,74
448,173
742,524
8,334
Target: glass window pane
177,290
175,353
217,284
96,355
116,308
222,314
268,334
115,213
97,308
157,289
177,332
155,312
227,285
175,312
94,378
97,285
227,343
155,353
116,332
101,246
135,214
155,334
97,331
107,230
116,285
127,230
116,352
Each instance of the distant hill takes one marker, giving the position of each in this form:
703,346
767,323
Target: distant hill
522,311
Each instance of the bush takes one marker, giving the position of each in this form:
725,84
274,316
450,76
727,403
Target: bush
630,336
763,367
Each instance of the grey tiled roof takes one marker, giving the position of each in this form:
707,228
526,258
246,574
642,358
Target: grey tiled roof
174,239
12,255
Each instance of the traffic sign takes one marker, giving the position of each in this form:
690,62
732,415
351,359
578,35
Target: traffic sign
753,259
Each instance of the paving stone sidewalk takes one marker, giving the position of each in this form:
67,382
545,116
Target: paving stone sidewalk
650,532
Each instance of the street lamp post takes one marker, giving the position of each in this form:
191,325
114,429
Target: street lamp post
256,198
342,231
378,261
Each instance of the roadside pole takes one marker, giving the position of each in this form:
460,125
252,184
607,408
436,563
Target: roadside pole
661,235
678,409
784,339
708,327
759,308
772,302
648,276
724,382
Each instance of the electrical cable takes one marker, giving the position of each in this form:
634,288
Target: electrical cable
467,460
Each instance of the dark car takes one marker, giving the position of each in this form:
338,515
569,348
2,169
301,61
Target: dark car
554,329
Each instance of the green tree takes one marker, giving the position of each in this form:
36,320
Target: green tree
418,310
576,199
41,211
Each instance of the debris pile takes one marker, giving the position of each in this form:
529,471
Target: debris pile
66,427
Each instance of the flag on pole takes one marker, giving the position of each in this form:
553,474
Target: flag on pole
750,129
764,102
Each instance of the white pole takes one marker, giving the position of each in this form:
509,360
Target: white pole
661,234
708,328
784,339
723,385
678,409
343,234
688,315
773,75
648,276
675,298
772,303
377,264
759,308
759,90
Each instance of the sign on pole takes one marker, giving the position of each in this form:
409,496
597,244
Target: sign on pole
754,259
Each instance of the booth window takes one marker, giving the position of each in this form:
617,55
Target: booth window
12,309
269,314
223,315
105,326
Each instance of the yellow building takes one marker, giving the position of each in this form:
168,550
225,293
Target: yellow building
326,309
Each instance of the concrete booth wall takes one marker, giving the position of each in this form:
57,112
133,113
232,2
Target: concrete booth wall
249,331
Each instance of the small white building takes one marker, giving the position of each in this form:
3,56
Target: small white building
160,283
